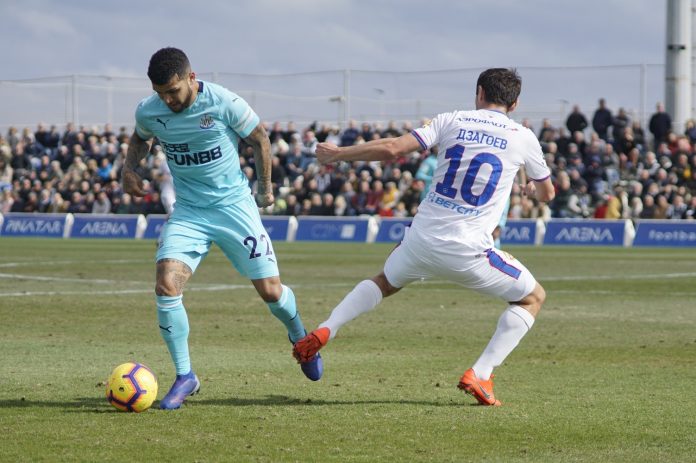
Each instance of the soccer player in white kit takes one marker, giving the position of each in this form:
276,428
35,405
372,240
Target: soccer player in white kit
479,155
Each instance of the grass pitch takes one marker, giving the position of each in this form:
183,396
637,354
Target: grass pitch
606,375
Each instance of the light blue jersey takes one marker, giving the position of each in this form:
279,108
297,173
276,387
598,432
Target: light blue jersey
201,144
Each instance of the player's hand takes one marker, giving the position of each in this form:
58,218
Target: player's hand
327,152
133,183
529,189
264,196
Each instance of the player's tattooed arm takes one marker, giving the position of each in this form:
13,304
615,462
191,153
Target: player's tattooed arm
137,150
258,140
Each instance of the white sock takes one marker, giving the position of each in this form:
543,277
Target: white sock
364,297
512,326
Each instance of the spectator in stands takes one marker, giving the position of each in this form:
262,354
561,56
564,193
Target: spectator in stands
564,205
660,125
20,162
602,120
340,206
619,125
389,200
576,121
391,131
6,200
691,210
290,132
690,131
350,134
309,147
58,204
102,204
12,137
547,132
661,207
677,210
292,207
366,132
278,175
6,174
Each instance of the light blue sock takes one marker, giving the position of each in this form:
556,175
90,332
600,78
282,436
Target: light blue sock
174,328
285,310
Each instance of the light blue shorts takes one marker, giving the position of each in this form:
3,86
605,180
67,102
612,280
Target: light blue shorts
237,229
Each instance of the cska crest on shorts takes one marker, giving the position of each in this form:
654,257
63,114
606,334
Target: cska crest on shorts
207,122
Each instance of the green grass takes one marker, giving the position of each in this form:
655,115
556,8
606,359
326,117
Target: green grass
606,375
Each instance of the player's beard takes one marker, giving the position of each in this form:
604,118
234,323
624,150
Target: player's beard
188,101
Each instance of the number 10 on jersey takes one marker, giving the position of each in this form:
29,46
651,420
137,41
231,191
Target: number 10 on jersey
446,187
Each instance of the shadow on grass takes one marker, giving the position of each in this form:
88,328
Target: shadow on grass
100,405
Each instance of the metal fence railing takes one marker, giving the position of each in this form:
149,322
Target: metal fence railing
341,95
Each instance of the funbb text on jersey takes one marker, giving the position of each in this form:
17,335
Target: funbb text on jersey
199,158
480,137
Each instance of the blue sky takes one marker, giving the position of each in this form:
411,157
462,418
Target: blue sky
53,38
42,37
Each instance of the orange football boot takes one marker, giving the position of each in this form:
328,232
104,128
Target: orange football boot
306,348
480,389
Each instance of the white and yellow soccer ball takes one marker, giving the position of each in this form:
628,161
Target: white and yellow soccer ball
132,387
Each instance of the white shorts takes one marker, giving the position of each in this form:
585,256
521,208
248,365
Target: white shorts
491,272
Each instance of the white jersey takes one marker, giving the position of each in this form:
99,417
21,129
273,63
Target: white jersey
479,154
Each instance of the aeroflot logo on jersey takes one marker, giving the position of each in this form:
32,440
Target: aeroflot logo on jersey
196,159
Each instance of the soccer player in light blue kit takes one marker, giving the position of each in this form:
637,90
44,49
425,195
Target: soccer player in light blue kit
199,125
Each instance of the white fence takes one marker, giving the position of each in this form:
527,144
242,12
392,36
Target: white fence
338,96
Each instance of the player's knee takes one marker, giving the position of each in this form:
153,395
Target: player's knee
384,285
534,300
163,287
270,289
540,295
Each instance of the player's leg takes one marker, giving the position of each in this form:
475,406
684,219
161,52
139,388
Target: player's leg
400,269
182,247
172,275
506,277
281,301
513,325
243,239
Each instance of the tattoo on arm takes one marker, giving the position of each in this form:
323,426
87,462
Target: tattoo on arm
137,150
258,139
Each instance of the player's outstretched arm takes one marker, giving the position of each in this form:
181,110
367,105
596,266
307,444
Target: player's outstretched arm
137,150
258,140
383,149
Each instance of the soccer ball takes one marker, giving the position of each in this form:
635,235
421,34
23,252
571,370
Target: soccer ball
132,387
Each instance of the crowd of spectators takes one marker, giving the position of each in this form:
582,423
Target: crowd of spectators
605,167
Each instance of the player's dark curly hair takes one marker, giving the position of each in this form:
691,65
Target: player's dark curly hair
502,86
166,63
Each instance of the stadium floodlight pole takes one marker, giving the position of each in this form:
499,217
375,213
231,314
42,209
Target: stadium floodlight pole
346,97
75,116
340,100
678,61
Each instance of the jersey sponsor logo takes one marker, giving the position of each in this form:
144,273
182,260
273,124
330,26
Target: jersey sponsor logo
207,122
447,204
482,121
196,159
164,123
